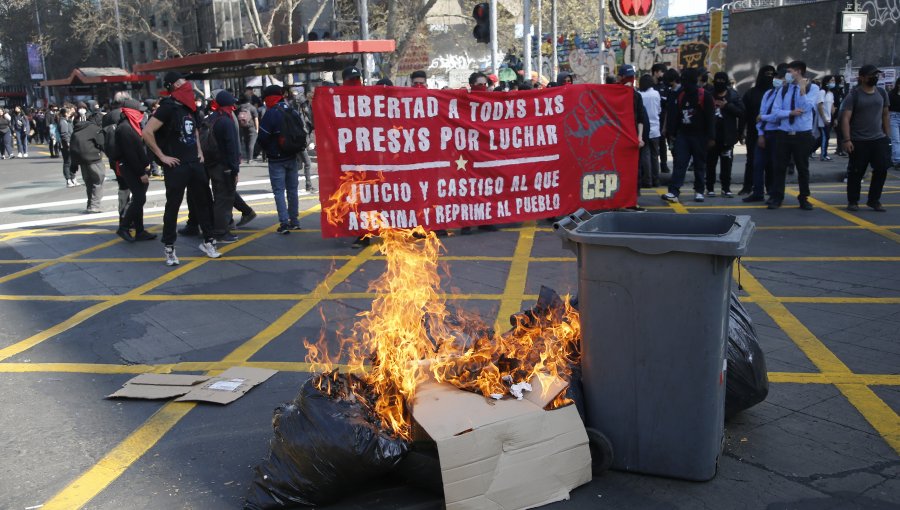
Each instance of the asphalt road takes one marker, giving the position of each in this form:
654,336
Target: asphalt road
81,312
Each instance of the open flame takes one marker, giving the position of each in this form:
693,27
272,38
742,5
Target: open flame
409,335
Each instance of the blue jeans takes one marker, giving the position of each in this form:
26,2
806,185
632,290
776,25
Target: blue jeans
22,141
283,176
895,137
825,135
688,146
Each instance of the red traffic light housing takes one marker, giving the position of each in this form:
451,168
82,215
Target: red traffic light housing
482,30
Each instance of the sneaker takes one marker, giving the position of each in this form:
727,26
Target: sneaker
698,197
283,229
70,183
24,154
669,197
311,190
246,218
805,205
825,158
710,193
75,182
876,206
727,194
18,154
754,198
171,258
143,235
125,235
227,238
361,242
189,231
665,169
209,248
773,205
852,206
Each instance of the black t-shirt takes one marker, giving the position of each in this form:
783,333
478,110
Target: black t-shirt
178,135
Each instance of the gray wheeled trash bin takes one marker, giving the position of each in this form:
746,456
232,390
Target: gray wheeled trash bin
653,291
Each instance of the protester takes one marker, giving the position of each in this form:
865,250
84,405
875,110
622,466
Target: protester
305,109
52,121
179,153
663,82
825,106
478,82
223,164
248,120
692,126
133,169
419,79
752,100
626,77
794,107
21,126
85,149
767,127
6,131
728,115
282,163
650,151
865,123
66,127
840,92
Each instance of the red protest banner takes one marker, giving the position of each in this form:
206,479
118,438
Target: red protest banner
393,157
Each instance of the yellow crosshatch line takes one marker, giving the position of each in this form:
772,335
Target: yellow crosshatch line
879,415
116,461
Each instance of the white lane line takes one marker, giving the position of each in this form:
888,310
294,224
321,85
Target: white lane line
517,161
115,214
112,197
396,168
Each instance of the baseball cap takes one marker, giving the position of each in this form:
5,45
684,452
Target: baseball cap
225,98
868,70
171,77
134,104
350,72
272,90
626,70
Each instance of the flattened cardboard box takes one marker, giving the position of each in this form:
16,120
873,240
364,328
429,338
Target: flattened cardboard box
231,385
506,454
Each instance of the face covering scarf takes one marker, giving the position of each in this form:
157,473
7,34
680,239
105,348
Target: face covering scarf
185,95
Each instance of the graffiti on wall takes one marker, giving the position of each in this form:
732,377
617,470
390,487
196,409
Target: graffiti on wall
882,12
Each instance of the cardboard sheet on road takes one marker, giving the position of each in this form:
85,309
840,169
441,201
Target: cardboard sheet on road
505,454
231,385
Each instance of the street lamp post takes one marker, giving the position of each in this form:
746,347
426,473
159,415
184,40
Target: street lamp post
119,32
37,15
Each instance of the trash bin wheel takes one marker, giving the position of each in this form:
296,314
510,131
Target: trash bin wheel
601,451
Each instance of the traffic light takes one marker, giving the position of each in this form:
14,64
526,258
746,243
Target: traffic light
482,30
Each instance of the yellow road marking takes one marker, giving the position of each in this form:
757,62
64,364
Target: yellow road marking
821,259
875,411
856,220
66,258
823,300
513,292
830,378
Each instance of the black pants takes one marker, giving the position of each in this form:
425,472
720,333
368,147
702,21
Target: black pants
870,152
688,147
663,150
134,212
791,147
191,177
723,154
749,166
223,189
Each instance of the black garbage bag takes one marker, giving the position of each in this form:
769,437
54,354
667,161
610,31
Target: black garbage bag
746,381
326,445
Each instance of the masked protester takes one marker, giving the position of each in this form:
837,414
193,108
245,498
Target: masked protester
478,82
178,150
283,164
766,126
751,101
865,121
728,119
132,165
223,166
692,124
418,79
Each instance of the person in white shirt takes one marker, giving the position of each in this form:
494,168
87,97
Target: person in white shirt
650,153
826,111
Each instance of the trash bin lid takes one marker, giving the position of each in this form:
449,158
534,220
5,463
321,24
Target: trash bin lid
658,233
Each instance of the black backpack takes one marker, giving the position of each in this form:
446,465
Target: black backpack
109,142
208,143
292,138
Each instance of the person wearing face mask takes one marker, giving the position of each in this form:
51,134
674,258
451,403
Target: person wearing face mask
752,99
6,145
692,124
66,127
794,107
865,122
283,164
840,92
178,151
20,130
478,82
728,115
826,110
133,168
668,79
419,79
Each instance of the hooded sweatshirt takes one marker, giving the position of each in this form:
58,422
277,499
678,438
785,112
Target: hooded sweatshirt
87,142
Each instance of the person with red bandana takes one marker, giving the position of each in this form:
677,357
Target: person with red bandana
478,82
178,150
223,167
352,77
133,168
419,79
283,167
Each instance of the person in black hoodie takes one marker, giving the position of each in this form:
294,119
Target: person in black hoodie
66,120
85,147
728,118
6,147
133,167
752,100
223,165
692,124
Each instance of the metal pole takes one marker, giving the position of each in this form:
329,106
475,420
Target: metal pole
540,39
495,65
37,15
601,35
526,39
554,37
849,69
364,35
119,31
